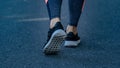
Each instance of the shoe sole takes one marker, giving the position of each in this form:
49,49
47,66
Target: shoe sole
53,45
72,43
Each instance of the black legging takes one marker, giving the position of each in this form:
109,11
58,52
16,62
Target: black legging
75,9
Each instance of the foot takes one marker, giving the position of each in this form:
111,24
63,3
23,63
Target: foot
56,36
72,39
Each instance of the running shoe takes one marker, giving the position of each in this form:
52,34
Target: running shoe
72,40
56,36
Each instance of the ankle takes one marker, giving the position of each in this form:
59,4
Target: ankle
71,29
54,21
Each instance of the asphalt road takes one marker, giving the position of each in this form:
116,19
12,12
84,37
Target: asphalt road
23,31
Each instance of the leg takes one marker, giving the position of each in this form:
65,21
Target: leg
56,33
75,8
54,10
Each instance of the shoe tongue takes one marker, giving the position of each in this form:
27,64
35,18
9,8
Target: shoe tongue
58,25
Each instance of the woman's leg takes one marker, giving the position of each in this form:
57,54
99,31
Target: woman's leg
54,10
75,9
56,33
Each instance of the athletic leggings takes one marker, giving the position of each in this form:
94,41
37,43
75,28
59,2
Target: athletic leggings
75,9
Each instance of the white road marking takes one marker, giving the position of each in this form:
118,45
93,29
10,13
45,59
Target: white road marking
34,19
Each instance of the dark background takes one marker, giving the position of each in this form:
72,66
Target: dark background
23,32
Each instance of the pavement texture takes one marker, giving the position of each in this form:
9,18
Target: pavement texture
23,30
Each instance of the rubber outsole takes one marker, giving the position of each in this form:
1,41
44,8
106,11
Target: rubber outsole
54,44
72,43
